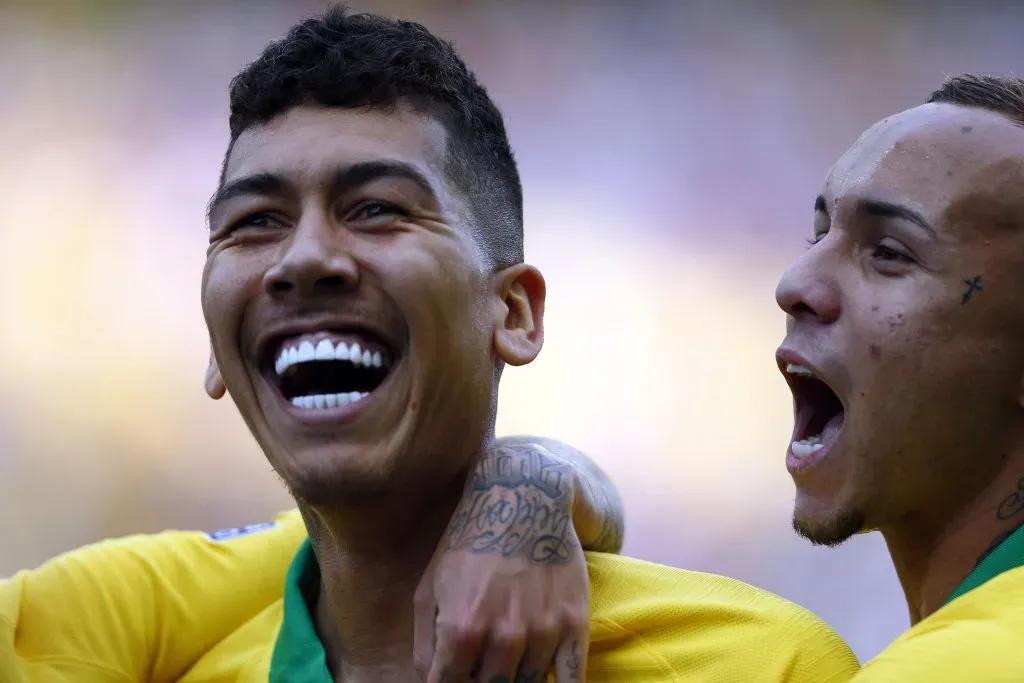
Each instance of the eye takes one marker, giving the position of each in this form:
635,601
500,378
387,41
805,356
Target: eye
891,252
374,209
259,221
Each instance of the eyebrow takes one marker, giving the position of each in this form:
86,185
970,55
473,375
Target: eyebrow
344,180
257,184
874,207
359,174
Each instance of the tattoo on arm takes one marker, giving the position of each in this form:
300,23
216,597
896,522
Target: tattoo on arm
517,504
609,538
973,285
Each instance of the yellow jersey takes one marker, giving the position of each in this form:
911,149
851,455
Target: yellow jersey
978,635
234,606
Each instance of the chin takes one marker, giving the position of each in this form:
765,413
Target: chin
830,527
331,478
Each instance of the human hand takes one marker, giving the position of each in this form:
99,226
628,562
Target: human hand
506,596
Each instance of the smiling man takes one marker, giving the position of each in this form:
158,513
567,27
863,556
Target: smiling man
364,289
905,354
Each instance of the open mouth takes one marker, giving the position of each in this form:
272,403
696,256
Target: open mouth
326,370
819,412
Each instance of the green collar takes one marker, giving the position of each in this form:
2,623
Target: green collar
1009,554
299,655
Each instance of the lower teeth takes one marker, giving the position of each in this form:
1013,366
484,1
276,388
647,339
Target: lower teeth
327,401
805,447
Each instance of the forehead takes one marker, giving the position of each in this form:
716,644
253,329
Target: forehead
933,158
308,143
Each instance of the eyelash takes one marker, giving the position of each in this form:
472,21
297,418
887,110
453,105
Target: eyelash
890,254
893,254
385,207
250,221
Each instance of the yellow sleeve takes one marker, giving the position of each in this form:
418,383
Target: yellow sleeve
138,608
654,623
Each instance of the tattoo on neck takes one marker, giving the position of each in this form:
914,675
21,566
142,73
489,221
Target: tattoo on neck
1012,504
518,504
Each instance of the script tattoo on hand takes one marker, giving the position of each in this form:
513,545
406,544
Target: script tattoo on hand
518,504
574,661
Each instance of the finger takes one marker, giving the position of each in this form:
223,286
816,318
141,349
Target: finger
456,651
571,658
501,655
424,618
539,657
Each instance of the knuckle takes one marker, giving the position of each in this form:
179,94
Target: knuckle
460,635
509,639
547,628
575,623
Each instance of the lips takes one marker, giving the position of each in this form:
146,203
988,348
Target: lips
327,370
819,413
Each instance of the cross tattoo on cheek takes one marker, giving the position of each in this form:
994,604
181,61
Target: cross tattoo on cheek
973,285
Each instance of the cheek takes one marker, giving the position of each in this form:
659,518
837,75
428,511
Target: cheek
228,281
440,293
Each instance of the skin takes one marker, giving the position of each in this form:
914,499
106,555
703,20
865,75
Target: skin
931,375
377,489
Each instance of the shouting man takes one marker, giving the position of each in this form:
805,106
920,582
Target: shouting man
364,287
905,354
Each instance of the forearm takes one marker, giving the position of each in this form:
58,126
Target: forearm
597,513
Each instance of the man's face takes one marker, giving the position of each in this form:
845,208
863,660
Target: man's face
905,334
349,309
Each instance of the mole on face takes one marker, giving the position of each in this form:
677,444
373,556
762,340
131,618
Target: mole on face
966,129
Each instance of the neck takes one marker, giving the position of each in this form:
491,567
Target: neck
933,553
371,556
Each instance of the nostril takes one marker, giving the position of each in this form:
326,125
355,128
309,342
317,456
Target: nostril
801,309
331,282
280,286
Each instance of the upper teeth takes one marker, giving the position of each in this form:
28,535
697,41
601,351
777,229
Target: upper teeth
305,352
794,369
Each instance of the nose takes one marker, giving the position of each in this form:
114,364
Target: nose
808,289
316,261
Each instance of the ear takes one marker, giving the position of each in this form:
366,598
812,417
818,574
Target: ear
214,383
519,331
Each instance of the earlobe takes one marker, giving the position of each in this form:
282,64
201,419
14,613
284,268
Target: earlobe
519,331
214,383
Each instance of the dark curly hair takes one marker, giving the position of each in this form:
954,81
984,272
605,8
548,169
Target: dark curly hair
358,60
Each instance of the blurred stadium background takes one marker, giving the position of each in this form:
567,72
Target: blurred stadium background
670,153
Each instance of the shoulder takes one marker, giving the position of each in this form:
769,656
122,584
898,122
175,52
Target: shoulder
975,637
147,598
713,624
172,556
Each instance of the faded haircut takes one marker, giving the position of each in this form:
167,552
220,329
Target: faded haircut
345,60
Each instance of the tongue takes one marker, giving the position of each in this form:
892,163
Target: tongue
832,427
